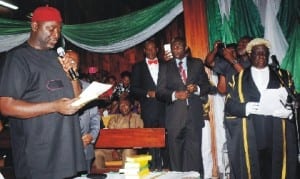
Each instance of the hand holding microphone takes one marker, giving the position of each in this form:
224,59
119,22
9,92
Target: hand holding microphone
72,73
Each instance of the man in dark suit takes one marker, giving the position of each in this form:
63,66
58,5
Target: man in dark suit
181,83
143,87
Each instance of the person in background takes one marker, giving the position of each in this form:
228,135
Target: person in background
90,126
181,82
122,89
126,119
37,93
143,88
261,140
227,61
89,121
107,96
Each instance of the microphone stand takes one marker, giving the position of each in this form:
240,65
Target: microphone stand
293,103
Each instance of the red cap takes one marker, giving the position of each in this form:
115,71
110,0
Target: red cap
46,13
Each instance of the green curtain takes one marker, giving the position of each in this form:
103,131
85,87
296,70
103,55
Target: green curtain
287,16
243,20
11,27
291,61
214,21
289,20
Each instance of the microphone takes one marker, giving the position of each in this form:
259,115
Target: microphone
73,74
275,64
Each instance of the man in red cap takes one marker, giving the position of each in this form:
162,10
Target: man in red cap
36,94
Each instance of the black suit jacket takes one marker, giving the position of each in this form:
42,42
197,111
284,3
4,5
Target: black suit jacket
169,80
153,111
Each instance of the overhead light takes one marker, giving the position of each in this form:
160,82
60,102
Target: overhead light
8,5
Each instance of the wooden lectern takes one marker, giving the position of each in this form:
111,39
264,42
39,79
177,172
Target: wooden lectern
129,138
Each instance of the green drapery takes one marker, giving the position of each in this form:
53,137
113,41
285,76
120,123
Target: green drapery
214,21
107,36
291,61
114,30
11,27
243,20
289,19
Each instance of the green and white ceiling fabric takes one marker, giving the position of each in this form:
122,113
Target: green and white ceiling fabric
107,36
228,20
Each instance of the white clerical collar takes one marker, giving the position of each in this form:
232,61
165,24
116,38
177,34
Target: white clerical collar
260,70
260,77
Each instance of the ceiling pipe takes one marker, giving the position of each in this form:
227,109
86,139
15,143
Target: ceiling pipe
8,5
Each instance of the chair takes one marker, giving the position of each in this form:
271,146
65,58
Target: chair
128,138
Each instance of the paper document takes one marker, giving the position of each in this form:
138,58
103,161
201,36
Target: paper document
272,100
91,92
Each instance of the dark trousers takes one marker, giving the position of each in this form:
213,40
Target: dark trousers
185,149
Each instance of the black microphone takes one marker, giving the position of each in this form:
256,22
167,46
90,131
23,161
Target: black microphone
73,74
275,64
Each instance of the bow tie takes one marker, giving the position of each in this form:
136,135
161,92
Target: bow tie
154,61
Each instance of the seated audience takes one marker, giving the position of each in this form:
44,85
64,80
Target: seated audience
126,119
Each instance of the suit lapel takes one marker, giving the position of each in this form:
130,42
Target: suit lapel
189,64
250,88
147,72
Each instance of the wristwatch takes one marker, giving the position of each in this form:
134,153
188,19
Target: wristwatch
234,62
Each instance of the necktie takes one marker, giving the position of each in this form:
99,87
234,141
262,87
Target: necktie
182,72
153,61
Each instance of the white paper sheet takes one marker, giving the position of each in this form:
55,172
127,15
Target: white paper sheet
272,100
91,92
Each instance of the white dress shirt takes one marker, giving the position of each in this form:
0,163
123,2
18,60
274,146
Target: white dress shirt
153,68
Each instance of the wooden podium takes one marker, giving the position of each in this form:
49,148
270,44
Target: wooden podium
128,138
131,138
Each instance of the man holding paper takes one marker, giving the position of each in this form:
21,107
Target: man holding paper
36,94
261,140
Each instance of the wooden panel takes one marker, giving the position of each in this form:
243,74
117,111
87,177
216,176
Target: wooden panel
195,24
131,138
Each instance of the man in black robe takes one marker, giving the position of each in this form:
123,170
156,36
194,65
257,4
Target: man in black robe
261,133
